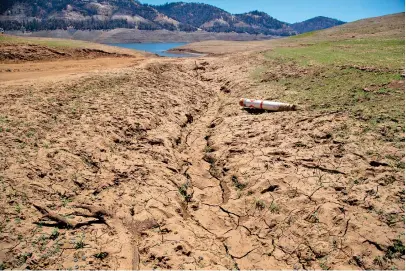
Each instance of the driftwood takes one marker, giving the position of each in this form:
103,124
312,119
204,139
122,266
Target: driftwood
136,259
55,217
95,212
100,215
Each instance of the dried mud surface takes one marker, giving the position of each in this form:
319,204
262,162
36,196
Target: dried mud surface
10,52
183,178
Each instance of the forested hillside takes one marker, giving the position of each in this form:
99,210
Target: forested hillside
316,23
35,15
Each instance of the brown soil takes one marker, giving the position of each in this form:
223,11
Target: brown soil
186,179
10,52
51,70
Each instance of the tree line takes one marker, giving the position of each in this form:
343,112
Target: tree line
54,24
92,24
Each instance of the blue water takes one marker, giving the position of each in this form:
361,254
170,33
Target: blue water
155,48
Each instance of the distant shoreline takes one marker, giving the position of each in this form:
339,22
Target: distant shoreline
180,50
123,35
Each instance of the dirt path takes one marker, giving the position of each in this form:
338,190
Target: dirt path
62,68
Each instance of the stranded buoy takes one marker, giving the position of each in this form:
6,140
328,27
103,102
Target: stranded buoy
266,105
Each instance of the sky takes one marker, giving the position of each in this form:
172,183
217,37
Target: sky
292,11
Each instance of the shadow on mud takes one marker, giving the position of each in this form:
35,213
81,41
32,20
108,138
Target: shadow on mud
255,111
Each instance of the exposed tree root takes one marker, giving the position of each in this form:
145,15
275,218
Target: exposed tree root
55,217
95,212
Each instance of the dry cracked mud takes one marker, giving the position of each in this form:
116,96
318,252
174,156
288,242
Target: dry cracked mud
186,178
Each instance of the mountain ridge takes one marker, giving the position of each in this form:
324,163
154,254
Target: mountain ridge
35,15
315,23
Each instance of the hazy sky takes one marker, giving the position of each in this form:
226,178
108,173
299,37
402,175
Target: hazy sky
298,10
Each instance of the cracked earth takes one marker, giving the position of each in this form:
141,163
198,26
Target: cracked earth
185,178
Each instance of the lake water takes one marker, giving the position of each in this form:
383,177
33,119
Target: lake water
155,48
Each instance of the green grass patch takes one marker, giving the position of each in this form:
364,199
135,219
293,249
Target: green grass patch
304,35
352,76
362,52
347,90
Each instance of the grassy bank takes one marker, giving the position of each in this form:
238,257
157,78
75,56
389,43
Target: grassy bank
362,77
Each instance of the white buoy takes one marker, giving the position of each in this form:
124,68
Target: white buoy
267,105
